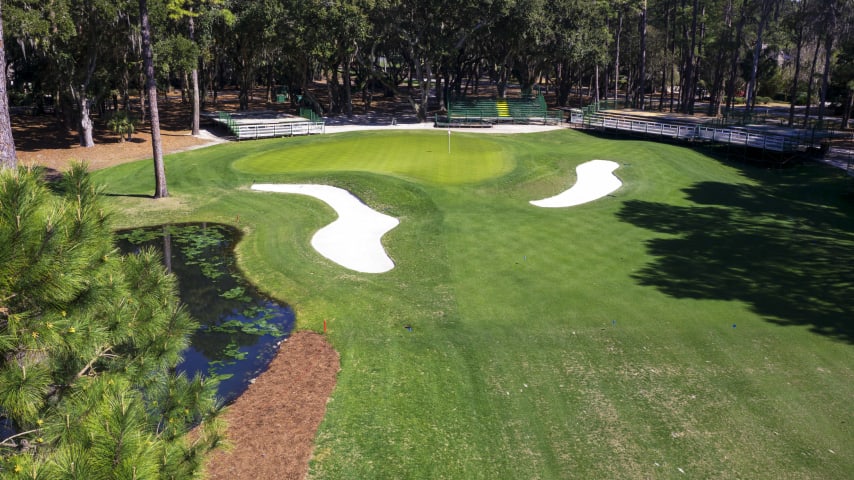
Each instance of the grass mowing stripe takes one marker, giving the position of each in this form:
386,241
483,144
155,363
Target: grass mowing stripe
696,320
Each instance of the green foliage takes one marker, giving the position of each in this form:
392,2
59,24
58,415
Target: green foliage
122,124
87,337
175,54
235,293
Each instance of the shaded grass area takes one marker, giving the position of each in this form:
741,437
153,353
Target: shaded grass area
695,320
782,244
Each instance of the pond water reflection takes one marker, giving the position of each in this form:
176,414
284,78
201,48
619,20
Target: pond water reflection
239,329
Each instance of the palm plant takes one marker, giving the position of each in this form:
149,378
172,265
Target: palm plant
122,124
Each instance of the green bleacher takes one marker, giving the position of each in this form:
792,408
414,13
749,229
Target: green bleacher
480,111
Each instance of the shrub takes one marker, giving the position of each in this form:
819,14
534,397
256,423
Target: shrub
122,124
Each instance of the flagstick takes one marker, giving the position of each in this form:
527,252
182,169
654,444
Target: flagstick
449,139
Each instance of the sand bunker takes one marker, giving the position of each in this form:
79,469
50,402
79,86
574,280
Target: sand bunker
595,180
354,239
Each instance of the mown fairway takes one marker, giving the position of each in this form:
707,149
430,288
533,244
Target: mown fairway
697,321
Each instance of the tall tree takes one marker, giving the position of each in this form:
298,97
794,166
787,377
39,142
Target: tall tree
160,190
191,9
641,94
194,81
766,11
735,48
620,12
689,63
833,12
8,156
844,78
85,46
797,25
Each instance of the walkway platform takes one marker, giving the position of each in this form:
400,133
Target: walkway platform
766,139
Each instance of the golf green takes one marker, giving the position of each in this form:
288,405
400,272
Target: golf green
430,157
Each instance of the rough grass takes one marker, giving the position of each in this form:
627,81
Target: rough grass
696,321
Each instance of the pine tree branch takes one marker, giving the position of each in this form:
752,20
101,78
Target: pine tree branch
3,442
88,366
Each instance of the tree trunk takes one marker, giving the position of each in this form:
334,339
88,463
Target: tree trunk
347,83
672,20
799,45
425,92
630,85
687,103
733,73
246,82
503,75
269,82
698,60
717,86
185,87
442,85
617,59
754,69
810,85
664,63
563,83
332,90
825,77
846,114
142,107
194,80
160,190
8,156
641,96
85,124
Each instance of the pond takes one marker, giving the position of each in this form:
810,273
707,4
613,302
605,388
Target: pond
239,328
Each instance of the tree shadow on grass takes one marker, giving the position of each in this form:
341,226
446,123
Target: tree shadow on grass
785,246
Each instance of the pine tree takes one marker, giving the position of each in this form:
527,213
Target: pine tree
88,339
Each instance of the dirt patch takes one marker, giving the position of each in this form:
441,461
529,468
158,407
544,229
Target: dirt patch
272,426
42,140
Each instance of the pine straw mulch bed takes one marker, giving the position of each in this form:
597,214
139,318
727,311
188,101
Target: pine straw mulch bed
271,427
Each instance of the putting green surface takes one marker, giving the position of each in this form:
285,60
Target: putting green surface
697,320
424,156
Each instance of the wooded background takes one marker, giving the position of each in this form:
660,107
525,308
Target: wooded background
722,53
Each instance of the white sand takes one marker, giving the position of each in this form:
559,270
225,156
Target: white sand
595,180
354,239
